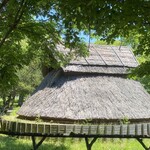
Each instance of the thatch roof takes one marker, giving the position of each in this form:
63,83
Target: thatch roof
80,69
88,97
105,55
103,60
90,92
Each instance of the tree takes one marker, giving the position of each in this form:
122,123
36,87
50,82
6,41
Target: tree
110,20
143,78
42,24
29,78
23,37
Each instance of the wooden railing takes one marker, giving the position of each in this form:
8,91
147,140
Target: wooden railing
138,131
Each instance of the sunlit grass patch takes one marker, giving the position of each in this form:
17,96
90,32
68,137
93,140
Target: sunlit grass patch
14,143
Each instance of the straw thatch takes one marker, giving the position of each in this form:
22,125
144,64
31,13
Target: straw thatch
96,92
109,60
106,56
80,69
89,97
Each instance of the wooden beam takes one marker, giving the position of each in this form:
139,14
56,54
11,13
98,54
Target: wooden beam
36,146
89,145
41,141
33,143
143,144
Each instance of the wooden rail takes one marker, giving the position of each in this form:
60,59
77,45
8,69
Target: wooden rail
138,131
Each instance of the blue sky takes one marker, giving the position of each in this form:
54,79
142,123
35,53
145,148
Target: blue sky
85,38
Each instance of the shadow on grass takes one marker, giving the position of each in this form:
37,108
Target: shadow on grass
13,143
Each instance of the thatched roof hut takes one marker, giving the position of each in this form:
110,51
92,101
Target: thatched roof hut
91,89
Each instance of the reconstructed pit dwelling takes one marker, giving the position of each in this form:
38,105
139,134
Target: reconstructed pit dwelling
93,89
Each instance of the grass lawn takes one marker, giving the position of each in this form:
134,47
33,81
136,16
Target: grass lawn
13,143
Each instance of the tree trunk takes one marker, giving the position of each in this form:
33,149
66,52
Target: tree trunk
21,98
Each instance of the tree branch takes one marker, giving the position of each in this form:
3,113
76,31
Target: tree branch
19,13
17,18
53,34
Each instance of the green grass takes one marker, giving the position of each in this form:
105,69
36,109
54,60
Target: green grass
13,143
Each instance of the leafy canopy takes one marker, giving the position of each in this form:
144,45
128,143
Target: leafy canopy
24,35
33,29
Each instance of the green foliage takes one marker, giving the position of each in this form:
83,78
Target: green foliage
29,77
110,20
125,120
146,82
141,73
38,119
115,43
13,114
33,29
26,34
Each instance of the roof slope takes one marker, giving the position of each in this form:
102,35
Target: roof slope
103,59
85,97
105,55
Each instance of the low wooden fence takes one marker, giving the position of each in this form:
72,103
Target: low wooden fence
137,131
